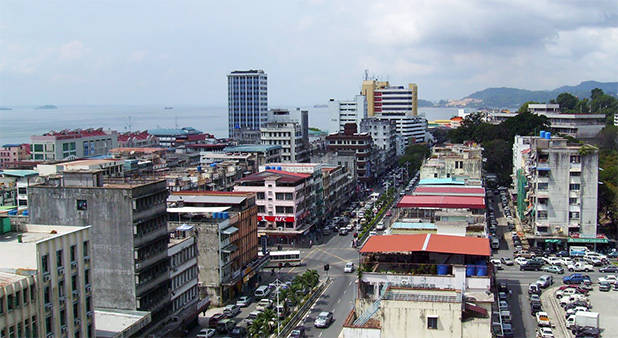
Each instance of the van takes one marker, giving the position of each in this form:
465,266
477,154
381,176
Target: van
262,291
495,243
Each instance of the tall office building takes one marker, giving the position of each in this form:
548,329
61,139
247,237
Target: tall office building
382,98
247,101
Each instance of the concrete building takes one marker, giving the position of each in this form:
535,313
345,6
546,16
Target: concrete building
460,162
20,180
129,230
384,135
338,189
110,167
557,187
225,226
12,154
178,138
247,100
429,284
46,282
412,129
342,112
382,97
283,200
362,146
575,125
137,139
262,154
279,129
72,144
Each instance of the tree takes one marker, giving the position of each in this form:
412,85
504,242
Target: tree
566,101
595,93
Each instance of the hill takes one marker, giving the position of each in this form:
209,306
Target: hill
505,97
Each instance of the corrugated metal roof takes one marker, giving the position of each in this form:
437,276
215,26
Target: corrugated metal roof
210,199
429,243
19,173
439,181
441,201
406,225
449,190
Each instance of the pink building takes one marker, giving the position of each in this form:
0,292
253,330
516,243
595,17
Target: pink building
12,154
282,200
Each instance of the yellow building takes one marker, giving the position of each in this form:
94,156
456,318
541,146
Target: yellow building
384,99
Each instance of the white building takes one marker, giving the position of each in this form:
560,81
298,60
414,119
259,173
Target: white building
412,129
287,134
342,112
384,135
456,161
71,144
49,272
575,125
182,252
557,186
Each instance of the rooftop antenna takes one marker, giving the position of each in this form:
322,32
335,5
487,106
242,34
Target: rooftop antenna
176,121
128,127
366,74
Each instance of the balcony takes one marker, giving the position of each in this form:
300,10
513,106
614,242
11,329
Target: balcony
151,260
575,167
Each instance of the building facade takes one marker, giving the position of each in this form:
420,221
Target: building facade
289,136
557,187
46,282
342,112
176,138
12,154
247,99
384,135
71,144
21,180
574,125
282,202
387,99
362,146
129,232
460,162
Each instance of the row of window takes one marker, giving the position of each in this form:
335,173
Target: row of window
184,277
60,256
184,255
21,330
185,298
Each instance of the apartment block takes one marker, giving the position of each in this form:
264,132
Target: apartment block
71,144
12,154
20,180
384,135
338,189
178,137
225,227
342,112
289,135
574,125
46,282
557,187
129,234
361,144
283,200
459,162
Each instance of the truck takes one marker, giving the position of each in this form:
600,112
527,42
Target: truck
587,319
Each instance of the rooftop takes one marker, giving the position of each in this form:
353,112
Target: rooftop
174,131
119,323
427,243
440,181
18,173
433,190
413,226
277,175
210,197
9,278
251,148
442,201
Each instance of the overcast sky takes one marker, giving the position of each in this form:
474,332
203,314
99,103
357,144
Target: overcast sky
179,52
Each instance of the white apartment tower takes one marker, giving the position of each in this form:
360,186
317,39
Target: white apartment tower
342,112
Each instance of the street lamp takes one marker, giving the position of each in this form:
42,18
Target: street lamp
278,284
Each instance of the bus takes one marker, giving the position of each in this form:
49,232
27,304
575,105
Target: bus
285,257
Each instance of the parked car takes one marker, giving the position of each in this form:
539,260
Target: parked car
534,297
231,310
252,316
544,332
611,279
535,307
545,281
214,319
497,263
264,304
562,253
506,261
225,325
531,266
324,319
298,332
521,260
605,286
576,278
609,268
553,269
206,333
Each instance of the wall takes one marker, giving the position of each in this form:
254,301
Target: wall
403,317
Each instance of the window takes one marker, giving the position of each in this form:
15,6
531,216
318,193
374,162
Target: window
542,186
574,186
85,249
261,209
572,200
48,325
72,253
576,174
432,323
38,147
82,205
260,196
61,288
574,215
45,263
59,257
22,191
542,214
576,159
46,294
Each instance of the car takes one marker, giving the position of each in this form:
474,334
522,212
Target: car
534,288
605,286
609,268
503,305
252,316
349,267
324,319
206,333
507,330
544,332
613,254
578,303
535,307
298,332
497,263
243,301
521,260
503,287
264,304
214,319
506,261
231,310
531,266
545,281
535,297
553,269
562,253
343,231
572,310
611,279
580,266
575,278
553,260
225,325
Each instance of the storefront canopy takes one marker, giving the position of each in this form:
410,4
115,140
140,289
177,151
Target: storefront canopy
588,240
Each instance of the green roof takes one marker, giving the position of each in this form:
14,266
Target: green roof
440,181
413,226
19,173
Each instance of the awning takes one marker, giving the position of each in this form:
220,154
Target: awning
185,227
553,241
230,248
477,309
588,240
230,230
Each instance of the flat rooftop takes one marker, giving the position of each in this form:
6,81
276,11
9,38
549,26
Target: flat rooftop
446,244
442,201
119,323
22,254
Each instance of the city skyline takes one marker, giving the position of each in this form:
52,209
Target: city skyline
170,53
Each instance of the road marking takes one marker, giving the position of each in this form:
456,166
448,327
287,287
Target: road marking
333,255
302,259
321,334
350,283
339,300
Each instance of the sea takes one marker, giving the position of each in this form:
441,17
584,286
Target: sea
19,123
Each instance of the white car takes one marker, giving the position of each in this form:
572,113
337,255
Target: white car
566,261
521,260
349,267
206,333
611,279
553,260
545,332
497,263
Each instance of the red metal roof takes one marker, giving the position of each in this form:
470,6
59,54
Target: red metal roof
441,201
428,243
450,190
288,173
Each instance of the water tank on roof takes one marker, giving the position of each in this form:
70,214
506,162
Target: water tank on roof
442,269
542,134
278,168
547,135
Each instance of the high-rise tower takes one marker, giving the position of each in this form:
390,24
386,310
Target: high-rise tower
247,101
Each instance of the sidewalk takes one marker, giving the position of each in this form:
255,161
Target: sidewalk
556,315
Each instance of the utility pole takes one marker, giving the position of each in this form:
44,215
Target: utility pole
278,284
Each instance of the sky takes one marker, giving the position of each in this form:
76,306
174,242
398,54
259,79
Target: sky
179,52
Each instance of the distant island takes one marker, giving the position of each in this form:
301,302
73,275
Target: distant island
320,106
5,108
47,106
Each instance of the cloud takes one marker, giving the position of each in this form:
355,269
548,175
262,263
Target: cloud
138,56
72,51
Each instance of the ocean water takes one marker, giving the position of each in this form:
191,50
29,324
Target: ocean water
18,124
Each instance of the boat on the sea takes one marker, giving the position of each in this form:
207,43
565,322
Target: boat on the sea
47,106
168,108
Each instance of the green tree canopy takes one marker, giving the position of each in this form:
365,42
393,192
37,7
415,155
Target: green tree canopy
566,101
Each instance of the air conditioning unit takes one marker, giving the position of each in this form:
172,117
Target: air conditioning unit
75,293
48,306
88,289
61,270
86,259
46,277
61,300
76,322
89,314
63,329
74,265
